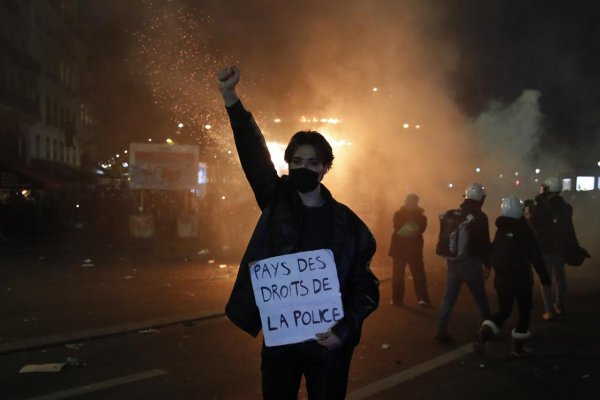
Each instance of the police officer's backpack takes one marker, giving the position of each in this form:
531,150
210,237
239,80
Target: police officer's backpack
453,239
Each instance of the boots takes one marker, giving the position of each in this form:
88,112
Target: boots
519,347
487,331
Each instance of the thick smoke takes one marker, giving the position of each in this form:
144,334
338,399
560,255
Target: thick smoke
512,132
381,67
511,135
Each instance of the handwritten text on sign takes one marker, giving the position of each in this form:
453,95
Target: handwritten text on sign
298,295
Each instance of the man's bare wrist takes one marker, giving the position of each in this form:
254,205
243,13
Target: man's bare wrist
229,97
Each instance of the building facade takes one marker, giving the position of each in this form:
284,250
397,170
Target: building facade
45,120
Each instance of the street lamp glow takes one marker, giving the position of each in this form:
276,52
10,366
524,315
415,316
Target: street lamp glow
599,163
537,170
418,126
149,139
277,120
406,126
375,89
207,126
450,185
517,173
169,141
478,170
180,125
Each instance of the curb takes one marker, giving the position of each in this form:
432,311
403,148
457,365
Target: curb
36,343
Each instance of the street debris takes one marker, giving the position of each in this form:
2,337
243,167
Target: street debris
386,346
203,251
74,362
151,330
222,266
127,277
51,367
586,376
211,261
74,346
87,263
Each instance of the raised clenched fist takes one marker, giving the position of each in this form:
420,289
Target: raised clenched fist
228,77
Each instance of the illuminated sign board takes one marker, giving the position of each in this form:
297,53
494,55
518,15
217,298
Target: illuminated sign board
163,167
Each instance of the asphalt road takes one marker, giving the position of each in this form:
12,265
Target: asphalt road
135,320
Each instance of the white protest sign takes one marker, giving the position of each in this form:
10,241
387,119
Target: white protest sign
298,295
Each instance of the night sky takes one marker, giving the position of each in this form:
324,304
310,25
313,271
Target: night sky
489,51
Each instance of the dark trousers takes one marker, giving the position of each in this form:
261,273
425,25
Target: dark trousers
325,371
506,299
417,270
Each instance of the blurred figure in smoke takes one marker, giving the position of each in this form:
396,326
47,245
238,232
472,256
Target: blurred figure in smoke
299,214
407,248
469,269
514,250
552,220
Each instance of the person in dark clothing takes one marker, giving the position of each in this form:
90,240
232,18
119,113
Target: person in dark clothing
552,221
300,214
469,269
514,250
407,248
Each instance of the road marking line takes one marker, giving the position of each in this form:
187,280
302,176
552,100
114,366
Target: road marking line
81,390
410,373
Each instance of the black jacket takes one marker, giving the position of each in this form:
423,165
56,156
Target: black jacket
552,221
278,231
407,246
514,250
479,231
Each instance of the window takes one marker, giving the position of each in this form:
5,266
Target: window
38,146
48,111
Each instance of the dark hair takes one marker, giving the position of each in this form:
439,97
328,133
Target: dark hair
314,139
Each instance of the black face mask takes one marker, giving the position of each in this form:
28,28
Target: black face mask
303,180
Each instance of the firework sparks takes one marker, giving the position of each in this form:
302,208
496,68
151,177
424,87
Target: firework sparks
177,59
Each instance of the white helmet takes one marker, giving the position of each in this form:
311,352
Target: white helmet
512,207
475,191
552,184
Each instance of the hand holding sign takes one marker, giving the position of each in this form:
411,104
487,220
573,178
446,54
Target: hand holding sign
298,296
329,340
